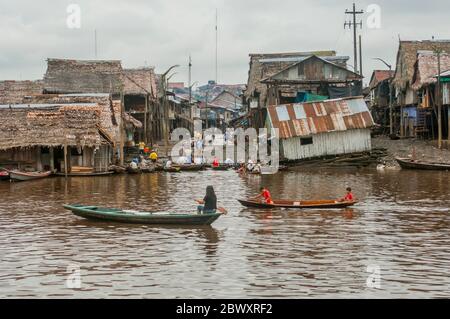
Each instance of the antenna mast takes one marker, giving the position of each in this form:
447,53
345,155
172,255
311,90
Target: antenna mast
217,41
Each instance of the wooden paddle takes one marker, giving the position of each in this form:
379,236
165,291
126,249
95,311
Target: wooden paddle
222,210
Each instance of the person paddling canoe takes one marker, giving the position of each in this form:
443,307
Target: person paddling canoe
264,196
349,197
208,205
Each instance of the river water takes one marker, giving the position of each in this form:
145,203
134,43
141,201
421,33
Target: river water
398,236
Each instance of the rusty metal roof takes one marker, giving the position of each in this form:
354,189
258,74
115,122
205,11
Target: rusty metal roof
305,119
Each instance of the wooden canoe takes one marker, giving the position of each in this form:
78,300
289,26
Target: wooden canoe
4,175
27,176
173,169
191,167
317,204
408,163
134,217
80,174
221,168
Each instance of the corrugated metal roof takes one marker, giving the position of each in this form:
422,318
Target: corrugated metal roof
306,119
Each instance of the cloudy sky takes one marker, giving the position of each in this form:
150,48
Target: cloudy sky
162,33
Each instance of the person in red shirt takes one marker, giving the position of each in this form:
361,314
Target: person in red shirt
349,196
265,195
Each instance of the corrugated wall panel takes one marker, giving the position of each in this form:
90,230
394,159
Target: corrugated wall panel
333,143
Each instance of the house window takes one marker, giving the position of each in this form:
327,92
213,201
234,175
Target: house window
306,140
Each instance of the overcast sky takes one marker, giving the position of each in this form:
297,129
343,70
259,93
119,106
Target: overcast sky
162,33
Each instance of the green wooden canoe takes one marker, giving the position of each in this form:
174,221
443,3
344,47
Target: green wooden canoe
134,217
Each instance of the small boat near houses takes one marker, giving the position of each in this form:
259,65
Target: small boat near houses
408,163
299,204
172,169
191,167
85,174
27,176
4,175
135,217
221,167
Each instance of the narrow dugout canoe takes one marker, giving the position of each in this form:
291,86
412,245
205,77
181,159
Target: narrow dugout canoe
134,217
318,204
191,167
4,175
173,169
27,176
85,174
221,168
408,163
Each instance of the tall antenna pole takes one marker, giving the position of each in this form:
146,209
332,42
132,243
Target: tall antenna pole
217,41
190,87
95,41
354,25
360,56
439,98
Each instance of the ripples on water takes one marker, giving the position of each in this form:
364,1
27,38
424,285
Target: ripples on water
401,225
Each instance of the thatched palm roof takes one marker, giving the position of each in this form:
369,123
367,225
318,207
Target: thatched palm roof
109,109
140,81
426,68
13,92
50,125
407,57
83,76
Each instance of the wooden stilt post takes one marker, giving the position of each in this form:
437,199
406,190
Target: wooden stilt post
52,159
145,120
65,160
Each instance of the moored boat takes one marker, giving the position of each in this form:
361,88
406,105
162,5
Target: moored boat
4,175
27,176
408,163
173,169
81,174
191,167
317,204
221,167
135,217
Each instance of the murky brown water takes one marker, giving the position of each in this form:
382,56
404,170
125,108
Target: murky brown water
401,226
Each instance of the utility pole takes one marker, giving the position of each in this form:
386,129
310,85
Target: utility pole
190,87
206,110
165,122
360,56
354,25
95,42
217,42
439,98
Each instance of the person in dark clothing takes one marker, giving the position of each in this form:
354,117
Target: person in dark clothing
209,203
